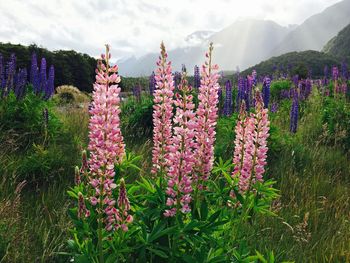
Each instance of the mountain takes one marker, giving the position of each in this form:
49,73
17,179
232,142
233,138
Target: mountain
301,62
339,46
242,44
314,33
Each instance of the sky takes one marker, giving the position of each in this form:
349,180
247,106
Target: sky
135,27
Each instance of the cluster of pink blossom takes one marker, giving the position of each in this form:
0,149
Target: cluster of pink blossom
162,112
207,114
262,127
121,217
251,145
181,152
106,143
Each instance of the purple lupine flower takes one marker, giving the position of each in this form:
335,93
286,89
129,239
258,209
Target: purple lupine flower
308,87
295,80
152,83
254,77
220,94
285,94
301,88
289,68
196,78
20,83
335,73
50,87
34,74
228,99
137,92
240,92
248,92
294,112
274,107
266,91
274,68
325,71
10,76
43,76
177,78
344,70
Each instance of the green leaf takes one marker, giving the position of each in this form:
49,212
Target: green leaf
204,210
214,216
158,252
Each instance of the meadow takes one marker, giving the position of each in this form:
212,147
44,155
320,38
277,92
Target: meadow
202,168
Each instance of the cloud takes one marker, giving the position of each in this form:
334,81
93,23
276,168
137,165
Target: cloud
135,27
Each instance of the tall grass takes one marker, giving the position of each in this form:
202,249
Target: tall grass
313,212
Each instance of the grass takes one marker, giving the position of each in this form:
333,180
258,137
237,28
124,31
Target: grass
313,211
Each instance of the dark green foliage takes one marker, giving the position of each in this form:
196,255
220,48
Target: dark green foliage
339,46
300,61
71,67
276,88
224,144
336,118
137,119
128,83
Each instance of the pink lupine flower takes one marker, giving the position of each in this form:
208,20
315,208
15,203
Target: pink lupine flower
163,112
181,158
207,114
251,145
260,138
106,144
244,149
119,218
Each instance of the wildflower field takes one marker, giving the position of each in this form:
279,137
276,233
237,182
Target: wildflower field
192,167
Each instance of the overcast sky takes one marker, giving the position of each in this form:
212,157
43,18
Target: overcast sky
135,27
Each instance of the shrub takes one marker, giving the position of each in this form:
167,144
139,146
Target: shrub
70,95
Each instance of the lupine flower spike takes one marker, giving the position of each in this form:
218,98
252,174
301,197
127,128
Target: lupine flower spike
244,148
262,126
181,152
251,146
207,114
106,143
162,112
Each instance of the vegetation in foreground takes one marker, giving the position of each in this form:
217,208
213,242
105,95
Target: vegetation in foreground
310,167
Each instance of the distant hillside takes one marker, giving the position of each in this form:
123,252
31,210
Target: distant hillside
71,68
314,33
300,62
339,46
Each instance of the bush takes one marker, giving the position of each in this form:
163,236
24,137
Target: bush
336,121
69,95
277,87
